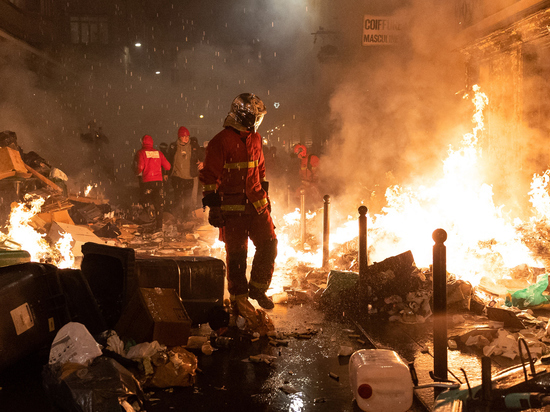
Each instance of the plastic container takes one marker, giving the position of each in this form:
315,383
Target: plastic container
380,381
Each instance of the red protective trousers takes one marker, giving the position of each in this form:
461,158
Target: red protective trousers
239,227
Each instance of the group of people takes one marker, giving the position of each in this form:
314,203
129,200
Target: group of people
235,191
178,164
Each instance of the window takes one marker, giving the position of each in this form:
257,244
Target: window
89,30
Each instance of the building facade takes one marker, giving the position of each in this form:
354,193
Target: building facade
506,51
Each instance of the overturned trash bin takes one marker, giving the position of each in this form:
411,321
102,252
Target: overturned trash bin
115,274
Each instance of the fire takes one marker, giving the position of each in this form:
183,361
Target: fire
482,240
21,232
65,248
539,195
89,189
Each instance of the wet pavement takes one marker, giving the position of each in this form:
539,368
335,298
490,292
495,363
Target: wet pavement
306,375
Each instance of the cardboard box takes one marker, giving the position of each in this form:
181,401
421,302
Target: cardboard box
57,216
11,163
80,234
155,314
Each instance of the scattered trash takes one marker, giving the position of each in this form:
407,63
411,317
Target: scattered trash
261,358
196,342
334,376
144,350
99,387
289,389
207,348
74,344
531,296
345,351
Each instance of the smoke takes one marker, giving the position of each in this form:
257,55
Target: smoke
221,50
35,114
396,109
260,47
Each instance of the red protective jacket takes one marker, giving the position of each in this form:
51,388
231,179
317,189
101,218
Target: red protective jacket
234,166
308,168
150,162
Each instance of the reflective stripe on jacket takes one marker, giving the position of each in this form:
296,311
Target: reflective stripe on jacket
235,167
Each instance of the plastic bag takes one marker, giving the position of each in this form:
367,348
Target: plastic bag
176,367
531,295
144,350
73,343
99,387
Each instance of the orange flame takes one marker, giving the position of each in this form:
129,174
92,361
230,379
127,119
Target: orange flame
481,239
21,232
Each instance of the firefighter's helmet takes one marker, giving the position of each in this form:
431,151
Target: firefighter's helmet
248,110
300,150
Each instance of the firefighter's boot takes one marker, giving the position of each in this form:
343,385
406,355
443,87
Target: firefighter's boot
259,296
262,272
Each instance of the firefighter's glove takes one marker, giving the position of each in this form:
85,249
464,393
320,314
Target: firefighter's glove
215,217
265,186
212,200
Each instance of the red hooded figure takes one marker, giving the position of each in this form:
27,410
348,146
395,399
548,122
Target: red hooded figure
149,165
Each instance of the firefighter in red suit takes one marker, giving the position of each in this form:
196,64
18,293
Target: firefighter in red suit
309,165
149,165
236,191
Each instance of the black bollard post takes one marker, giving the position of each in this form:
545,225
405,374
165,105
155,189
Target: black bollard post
326,229
288,197
303,217
440,305
363,258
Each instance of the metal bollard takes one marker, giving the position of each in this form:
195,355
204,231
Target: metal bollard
326,229
288,197
363,258
440,305
303,217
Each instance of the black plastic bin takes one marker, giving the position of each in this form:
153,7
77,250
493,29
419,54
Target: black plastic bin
81,303
198,280
32,310
115,273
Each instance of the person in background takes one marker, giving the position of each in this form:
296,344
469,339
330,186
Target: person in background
235,190
309,180
198,153
150,164
184,159
163,147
